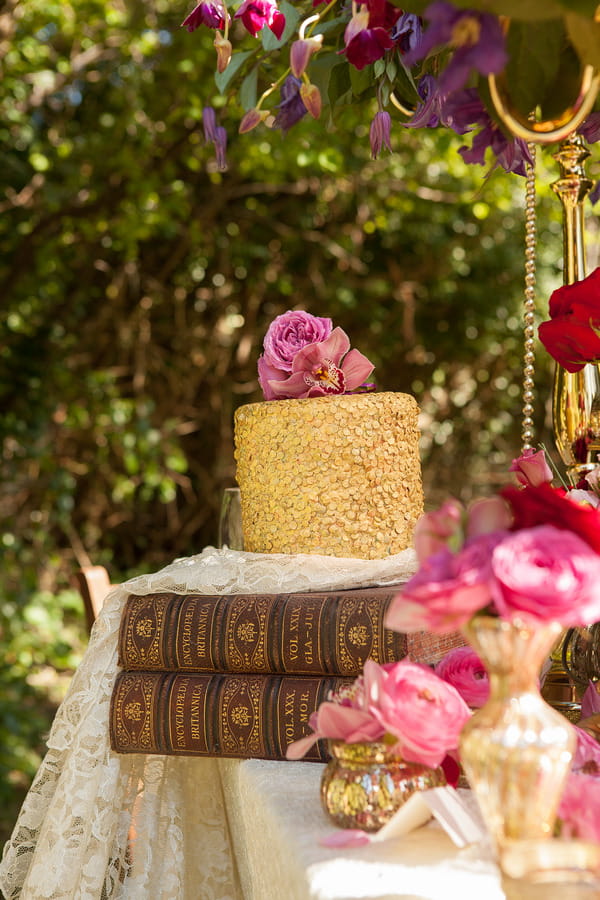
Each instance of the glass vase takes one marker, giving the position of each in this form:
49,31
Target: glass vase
516,750
364,784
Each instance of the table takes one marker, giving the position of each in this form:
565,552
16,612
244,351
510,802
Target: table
96,825
276,822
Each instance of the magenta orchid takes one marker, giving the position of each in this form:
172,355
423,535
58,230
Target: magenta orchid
327,367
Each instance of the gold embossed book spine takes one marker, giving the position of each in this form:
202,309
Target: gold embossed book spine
239,716
303,633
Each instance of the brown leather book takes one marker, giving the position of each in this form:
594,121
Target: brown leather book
244,716
304,633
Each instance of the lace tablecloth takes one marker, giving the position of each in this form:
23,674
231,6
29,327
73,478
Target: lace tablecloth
99,826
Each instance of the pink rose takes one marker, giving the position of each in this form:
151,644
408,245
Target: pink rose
424,713
546,573
446,591
289,333
579,809
587,753
463,669
439,529
531,468
346,717
590,702
488,515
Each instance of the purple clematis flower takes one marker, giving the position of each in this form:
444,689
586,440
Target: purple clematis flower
429,113
326,367
292,108
255,14
216,134
407,32
511,153
211,13
476,38
379,133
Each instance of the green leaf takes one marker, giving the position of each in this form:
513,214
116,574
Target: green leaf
224,79
534,54
320,72
585,37
339,89
292,17
580,7
565,90
361,79
248,90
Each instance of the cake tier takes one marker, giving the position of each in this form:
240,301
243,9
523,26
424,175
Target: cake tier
337,475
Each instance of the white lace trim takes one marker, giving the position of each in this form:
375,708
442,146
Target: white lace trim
99,826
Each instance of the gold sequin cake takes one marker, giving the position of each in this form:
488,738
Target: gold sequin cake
337,475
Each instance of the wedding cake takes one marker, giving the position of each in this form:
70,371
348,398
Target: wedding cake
336,475
326,465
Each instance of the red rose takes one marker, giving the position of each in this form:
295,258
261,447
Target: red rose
572,336
545,505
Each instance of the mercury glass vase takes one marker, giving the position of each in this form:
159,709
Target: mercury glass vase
516,750
364,784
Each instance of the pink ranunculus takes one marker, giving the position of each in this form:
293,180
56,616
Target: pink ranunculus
439,529
590,702
531,468
327,367
464,670
579,809
446,591
289,333
423,713
548,574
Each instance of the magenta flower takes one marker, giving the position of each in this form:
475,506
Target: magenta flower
379,133
463,669
439,529
446,591
289,333
404,703
255,14
212,14
548,574
590,702
369,33
476,39
424,713
531,468
327,367
579,809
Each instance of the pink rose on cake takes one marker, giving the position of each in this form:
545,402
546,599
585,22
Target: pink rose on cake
304,357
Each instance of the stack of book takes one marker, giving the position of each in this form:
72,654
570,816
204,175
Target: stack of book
240,675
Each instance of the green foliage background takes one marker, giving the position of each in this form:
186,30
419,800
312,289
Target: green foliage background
136,283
